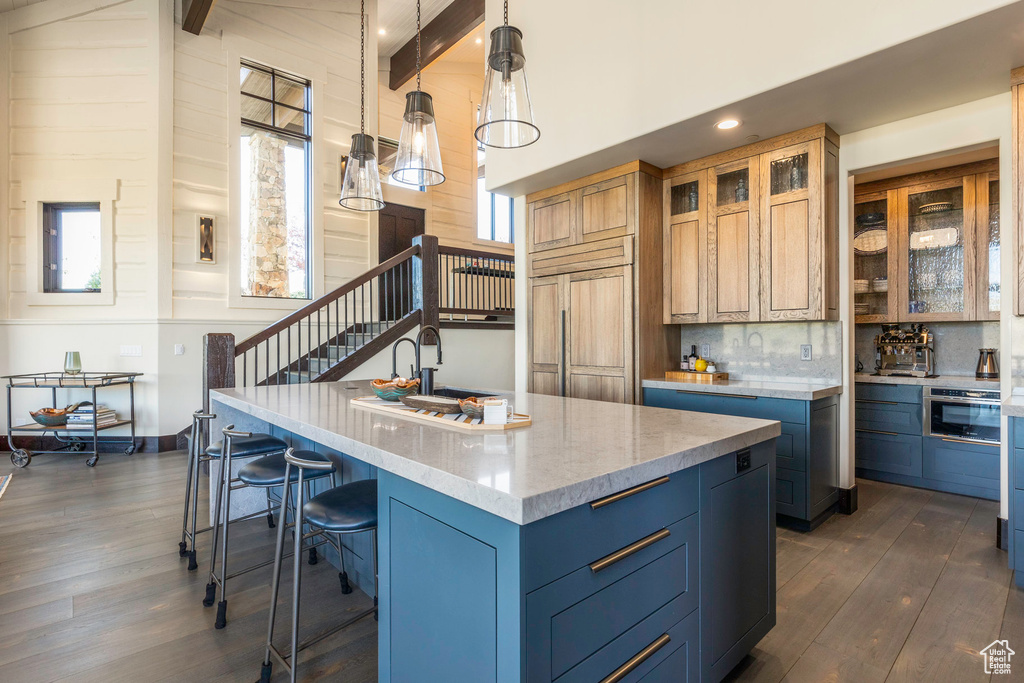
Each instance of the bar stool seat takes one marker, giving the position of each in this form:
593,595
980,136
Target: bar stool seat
345,509
269,470
243,447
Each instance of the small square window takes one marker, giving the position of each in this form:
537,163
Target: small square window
72,253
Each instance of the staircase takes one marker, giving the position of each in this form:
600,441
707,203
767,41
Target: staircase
327,339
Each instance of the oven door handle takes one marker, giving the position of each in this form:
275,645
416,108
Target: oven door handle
963,401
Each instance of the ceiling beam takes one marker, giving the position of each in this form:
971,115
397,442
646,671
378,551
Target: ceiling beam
453,23
195,15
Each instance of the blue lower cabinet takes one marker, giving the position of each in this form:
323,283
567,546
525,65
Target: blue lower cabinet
960,467
1017,553
880,451
1016,519
467,596
888,416
807,450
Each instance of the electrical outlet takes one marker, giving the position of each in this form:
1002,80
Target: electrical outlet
179,349
131,350
705,350
805,352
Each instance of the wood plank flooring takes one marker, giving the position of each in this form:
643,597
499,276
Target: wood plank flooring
909,588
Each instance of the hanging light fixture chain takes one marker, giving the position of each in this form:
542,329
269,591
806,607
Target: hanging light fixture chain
362,66
506,12
417,44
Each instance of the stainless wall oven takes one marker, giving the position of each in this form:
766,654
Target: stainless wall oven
962,414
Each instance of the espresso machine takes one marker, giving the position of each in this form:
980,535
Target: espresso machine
905,353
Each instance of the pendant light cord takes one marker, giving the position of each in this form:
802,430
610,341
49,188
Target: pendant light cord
362,66
417,44
506,12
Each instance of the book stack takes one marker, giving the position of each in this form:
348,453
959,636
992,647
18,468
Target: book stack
87,414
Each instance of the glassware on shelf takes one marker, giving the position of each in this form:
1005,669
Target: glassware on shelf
72,363
733,187
685,198
742,194
871,258
789,174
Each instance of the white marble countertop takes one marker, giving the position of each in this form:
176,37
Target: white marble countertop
797,390
951,381
1013,406
574,452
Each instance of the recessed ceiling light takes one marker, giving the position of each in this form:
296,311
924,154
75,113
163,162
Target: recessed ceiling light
381,32
479,40
727,124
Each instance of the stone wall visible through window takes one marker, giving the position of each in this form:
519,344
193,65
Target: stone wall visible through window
275,173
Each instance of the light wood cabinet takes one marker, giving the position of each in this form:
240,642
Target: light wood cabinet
943,240
766,228
595,305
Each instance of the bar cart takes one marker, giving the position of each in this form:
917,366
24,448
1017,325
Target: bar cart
77,437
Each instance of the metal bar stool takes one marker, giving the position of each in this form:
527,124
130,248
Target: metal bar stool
235,445
347,509
197,456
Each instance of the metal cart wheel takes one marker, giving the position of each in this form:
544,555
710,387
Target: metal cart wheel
91,462
21,458
130,450
76,445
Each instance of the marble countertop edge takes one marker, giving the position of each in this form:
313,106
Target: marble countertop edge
794,389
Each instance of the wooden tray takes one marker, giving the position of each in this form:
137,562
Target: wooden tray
697,377
456,421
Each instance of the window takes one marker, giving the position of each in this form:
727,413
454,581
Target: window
276,172
72,250
494,217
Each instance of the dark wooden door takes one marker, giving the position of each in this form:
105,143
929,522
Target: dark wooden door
397,226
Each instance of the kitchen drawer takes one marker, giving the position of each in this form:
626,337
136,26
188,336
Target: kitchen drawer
791,447
783,410
570,620
961,463
682,663
1018,558
894,393
1017,507
1018,469
903,418
1017,429
893,453
791,493
596,532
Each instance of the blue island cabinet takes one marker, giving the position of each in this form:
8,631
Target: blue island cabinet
807,484
1016,520
669,581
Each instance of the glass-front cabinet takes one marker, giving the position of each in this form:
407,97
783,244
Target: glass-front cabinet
686,246
926,247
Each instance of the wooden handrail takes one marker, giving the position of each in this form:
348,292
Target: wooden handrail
328,298
473,253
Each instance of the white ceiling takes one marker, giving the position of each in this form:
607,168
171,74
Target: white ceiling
398,19
8,5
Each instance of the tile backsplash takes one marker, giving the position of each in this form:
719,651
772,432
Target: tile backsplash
761,351
956,345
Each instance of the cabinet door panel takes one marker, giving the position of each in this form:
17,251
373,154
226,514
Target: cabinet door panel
606,208
685,246
552,221
598,387
597,321
546,322
732,263
685,268
790,258
545,383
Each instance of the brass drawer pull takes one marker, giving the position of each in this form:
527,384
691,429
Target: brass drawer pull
637,659
623,553
714,394
608,500
875,431
884,403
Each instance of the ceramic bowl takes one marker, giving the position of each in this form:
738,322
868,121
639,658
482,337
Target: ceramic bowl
394,389
50,417
472,406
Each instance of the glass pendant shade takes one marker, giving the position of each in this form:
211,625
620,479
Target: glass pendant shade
419,156
506,114
360,189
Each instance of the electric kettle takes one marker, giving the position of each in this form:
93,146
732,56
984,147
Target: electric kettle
988,366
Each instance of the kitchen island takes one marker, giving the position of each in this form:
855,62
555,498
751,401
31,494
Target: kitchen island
603,538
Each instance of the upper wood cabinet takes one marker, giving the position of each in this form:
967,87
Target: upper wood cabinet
595,265
926,246
586,214
766,226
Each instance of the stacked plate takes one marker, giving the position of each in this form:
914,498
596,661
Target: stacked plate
861,286
880,284
861,309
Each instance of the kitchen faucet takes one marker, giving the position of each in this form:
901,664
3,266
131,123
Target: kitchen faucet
394,356
426,375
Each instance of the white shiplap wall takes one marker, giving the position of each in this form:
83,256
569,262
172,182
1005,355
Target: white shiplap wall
327,36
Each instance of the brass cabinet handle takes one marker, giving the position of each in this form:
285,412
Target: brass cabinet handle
623,553
884,403
637,659
978,442
876,431
715,393
608,500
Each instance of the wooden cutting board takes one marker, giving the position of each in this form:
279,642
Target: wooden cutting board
697,377
452,421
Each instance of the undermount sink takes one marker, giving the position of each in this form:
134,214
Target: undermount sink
450,392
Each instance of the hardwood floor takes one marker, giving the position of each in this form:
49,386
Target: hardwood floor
910,587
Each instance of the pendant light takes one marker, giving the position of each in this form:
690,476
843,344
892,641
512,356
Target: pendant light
418,161
360,189
506,115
